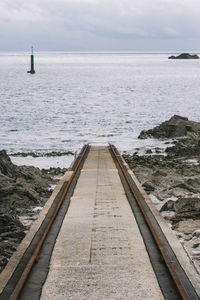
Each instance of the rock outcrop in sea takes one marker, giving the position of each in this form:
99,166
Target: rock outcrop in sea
176,126
187,132
184,56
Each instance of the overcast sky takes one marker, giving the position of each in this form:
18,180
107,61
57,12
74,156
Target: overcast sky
105,25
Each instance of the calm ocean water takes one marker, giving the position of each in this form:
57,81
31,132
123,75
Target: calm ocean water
76,98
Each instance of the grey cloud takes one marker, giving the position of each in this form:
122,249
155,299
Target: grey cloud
67,24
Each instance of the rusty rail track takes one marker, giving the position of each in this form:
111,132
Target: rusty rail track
183,285
13,292
179,286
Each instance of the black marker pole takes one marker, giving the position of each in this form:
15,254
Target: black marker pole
32,71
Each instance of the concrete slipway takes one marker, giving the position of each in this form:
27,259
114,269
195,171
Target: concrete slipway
99,252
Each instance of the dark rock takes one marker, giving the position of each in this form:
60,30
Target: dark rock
11,233
159,173
194,182
6,166
176,126
185,56
181,178
186,147
158,150
185,186
195,245
54,171
186,208
149,151
169,205
148,187
3,262
21,188
196,233
41,154
187,205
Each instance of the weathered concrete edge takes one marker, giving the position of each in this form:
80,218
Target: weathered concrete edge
17,255
175,244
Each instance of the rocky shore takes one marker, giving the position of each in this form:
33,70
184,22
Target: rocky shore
23,191
47,154
172,179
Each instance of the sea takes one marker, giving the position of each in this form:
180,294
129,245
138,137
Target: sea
76,98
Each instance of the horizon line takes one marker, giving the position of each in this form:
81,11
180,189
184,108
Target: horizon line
105,51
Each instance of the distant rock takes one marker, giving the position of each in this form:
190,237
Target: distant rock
176,126
184,56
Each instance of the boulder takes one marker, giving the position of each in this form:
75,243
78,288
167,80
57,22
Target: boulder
190,204
176,126
184,208
148,186
168,206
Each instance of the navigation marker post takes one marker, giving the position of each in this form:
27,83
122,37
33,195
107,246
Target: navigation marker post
32,71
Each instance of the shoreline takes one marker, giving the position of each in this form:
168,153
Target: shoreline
173,187
171,179
24,191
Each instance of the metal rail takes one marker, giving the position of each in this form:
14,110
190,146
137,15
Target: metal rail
178,278
16,292
184,293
